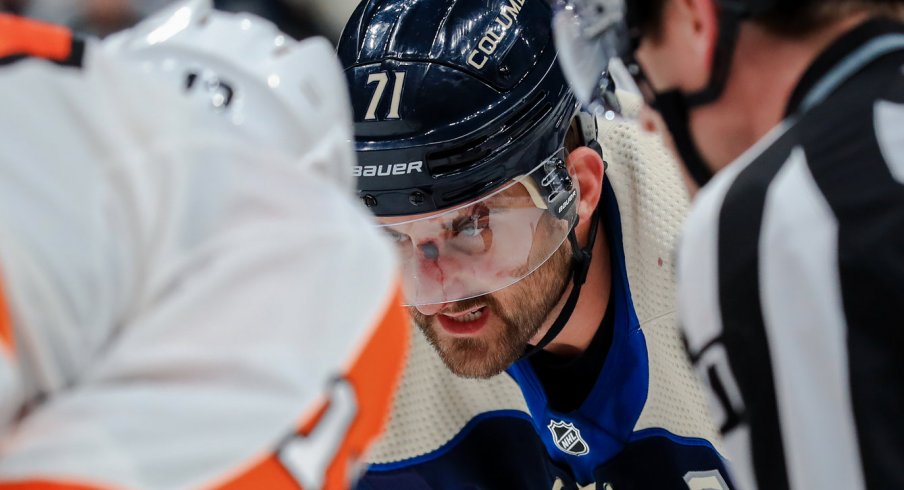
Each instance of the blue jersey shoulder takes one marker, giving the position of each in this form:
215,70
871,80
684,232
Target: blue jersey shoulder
503,451
496,450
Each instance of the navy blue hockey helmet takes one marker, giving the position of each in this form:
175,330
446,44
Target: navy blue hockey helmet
461,113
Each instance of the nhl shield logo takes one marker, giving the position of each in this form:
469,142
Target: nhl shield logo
568,438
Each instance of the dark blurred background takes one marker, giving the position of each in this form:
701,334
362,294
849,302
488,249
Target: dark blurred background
298,18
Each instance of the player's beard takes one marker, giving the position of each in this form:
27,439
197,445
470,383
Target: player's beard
522,309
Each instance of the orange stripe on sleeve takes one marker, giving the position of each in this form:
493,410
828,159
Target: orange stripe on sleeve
374,376
20,36
7,340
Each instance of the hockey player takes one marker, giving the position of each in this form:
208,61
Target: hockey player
190,298
792,263
541,281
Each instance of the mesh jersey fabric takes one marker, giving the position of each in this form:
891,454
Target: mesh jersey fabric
433,405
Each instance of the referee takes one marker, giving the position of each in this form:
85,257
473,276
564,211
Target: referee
792,261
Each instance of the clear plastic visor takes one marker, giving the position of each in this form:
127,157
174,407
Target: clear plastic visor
486,244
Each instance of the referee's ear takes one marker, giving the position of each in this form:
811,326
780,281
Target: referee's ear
588,168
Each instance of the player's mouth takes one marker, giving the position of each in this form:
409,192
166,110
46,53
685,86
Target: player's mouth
468,322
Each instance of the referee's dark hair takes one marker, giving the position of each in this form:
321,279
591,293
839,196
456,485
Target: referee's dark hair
786,18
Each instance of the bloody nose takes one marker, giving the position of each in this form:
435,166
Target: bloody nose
430,250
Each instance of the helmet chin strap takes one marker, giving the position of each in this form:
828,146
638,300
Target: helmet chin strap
580,264
673,107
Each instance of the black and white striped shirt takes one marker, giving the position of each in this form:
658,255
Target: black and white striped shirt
792,280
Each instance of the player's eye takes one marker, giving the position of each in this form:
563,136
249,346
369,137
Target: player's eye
474,224
398,238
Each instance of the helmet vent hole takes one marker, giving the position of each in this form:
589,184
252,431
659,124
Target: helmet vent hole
369,200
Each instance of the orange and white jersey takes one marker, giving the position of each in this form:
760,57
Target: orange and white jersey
180,308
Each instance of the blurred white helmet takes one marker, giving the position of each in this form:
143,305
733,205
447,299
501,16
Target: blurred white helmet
284,94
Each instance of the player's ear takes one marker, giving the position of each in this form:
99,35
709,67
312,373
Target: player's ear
588,168
700,28
680,54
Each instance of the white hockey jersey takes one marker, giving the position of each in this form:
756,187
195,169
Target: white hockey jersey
448,432
179,304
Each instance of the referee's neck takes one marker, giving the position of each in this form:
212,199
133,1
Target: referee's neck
765,70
